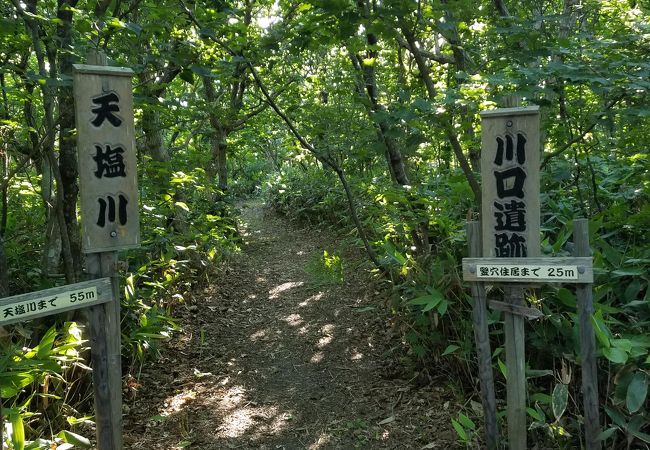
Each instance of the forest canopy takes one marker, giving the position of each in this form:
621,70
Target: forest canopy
362,115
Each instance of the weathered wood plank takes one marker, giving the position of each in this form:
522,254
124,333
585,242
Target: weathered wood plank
510,210
524,311
105,340
92,69
105,337
584,295
482,339
33,305
502,112
108,175
516,364
536,269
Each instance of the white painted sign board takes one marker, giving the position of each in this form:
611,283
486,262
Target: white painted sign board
510,211
108,182
534,269
20,308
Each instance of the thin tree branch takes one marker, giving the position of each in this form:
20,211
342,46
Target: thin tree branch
237,124
501,7
447,122
437,57
271,101
582,135
330,162
19,165
213,38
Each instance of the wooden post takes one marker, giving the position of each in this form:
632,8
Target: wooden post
105,350
516,366
584,295
106,346
482,338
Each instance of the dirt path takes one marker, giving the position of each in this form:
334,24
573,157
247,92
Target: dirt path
276,357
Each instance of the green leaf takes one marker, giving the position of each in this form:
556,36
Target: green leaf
44,348
203,71
615,355
422,104
559,400
535,414
17,431
616,417
134,27
536,373
623,344
503,368
459,430
450,349
187,75
567,297
115,22
11,383
628,272
600,328
442,309
632,290
74,439
637,391
541,398
183,206
429,301
607,433
639,435
466,422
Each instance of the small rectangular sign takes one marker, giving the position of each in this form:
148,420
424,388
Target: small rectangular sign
518,270
56,300
526,272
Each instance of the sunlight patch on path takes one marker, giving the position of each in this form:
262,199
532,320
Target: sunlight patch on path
245,418
313,299
258,335
178,402
276,291
318,357
294,320
322,440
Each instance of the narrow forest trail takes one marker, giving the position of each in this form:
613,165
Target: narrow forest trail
269,358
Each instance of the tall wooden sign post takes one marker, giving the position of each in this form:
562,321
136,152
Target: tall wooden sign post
110,222
110,219
510,245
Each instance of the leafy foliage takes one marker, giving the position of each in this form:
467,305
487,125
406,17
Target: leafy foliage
381,100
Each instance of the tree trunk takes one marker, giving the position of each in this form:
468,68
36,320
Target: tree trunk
67,148
153,136
392,153
447,121
4,288
51,258
217,169
218,164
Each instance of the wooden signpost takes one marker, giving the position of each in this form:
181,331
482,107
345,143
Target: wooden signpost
510,245
109,222
110,219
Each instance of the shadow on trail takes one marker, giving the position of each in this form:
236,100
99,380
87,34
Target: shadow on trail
272,360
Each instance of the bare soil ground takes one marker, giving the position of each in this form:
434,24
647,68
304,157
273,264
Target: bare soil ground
271,357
